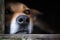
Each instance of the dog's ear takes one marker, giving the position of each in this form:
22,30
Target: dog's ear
36,14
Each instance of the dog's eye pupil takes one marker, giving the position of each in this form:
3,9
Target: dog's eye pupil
27,12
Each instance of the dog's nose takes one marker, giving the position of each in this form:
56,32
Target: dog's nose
22,20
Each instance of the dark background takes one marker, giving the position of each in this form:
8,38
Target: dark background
51,10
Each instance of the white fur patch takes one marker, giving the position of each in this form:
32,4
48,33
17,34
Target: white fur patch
14,27
30,27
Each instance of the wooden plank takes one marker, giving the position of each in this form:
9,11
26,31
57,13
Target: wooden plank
30,36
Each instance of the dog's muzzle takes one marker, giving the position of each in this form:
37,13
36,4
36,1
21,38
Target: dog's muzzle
23,22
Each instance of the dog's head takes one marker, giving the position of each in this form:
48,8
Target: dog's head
21,19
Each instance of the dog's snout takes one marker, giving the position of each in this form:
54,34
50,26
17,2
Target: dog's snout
23,19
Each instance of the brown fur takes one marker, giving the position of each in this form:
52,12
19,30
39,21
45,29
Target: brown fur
18,8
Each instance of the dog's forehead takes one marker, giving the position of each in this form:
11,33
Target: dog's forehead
18,7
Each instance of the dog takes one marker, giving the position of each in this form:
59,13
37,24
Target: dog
20,19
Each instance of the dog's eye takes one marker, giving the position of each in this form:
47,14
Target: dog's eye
27,12
8,12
